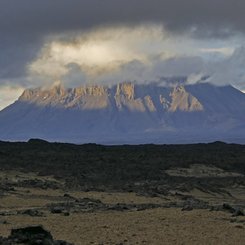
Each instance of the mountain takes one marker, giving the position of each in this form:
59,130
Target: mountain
127,113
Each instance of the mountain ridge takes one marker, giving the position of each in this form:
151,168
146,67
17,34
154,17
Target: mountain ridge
127,113
176,98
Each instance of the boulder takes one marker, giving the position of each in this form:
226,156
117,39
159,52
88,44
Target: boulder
31,235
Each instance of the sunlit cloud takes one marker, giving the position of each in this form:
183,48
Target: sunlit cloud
115,54
101,51
143,53
222,50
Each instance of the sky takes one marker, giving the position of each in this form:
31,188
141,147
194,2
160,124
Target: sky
77,42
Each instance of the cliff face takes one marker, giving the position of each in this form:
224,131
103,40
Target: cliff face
125,96
127,113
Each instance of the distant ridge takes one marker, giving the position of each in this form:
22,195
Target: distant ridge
127,113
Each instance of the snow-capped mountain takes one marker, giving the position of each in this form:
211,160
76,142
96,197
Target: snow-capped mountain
127,113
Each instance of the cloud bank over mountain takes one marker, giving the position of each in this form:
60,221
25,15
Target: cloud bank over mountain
111,41
141,53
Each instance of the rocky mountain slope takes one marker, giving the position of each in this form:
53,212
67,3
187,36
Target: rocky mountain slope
127,113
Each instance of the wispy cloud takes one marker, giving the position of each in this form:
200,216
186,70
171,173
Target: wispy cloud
221,50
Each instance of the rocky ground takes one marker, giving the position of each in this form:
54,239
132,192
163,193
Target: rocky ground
187,203
92,217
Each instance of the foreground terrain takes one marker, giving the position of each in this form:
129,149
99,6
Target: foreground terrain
148,194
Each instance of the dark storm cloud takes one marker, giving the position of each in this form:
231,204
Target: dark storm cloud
35,17
14,53
23,23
